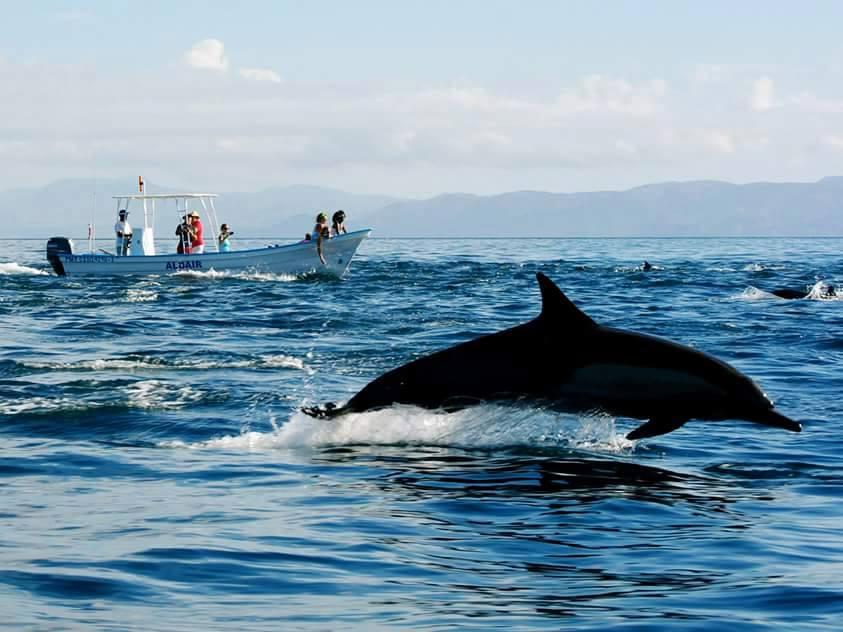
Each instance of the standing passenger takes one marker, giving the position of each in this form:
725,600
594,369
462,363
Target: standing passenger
184,231
197,244
225,233
123,233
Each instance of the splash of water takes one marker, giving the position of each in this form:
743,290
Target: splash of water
243,276
12,267
485,427
820,292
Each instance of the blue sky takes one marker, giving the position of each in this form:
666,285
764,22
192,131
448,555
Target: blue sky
418,98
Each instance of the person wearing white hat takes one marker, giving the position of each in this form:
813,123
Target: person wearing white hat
197,244
123,233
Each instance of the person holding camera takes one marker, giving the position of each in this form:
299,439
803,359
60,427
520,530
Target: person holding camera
197,244
185,233
225,233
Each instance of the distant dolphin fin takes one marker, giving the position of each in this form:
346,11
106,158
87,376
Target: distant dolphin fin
557,306
655,427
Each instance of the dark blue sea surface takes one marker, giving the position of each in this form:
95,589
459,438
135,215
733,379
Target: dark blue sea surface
155,472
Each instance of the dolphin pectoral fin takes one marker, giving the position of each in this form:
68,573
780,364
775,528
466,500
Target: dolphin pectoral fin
655,427
776,420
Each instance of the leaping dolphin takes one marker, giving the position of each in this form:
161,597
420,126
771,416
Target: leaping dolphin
567,362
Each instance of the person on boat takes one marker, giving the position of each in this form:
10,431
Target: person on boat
321,231
222,239
123,232
197,244
184,231
338,223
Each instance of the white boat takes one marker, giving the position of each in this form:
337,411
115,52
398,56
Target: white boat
296,258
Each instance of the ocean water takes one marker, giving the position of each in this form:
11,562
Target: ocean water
155,473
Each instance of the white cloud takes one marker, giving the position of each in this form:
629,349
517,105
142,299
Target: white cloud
762,94
260,74
721,141
836,142
598,93
625,148
598,129
808,102
709,73
208,54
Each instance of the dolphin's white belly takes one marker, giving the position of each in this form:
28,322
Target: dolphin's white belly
637,383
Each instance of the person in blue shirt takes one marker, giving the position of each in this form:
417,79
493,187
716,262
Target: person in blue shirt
225,233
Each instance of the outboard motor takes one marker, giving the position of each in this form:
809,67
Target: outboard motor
58,246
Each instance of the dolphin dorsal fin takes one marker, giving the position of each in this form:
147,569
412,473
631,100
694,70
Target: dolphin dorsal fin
557,306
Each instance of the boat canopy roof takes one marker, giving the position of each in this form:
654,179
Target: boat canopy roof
165,196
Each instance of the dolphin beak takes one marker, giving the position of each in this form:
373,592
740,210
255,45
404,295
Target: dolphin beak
776,420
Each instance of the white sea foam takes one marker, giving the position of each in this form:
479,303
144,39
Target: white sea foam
201,274
753,267
754,294
638,268
246,276
817,292
12,267
478,427
41,405
158,394
761,267
265,276
128,364
820,292
134,295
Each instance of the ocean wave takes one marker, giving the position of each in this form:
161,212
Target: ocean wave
484,427
763,267
245,276
755,294
42,405
135,295
159,394
13,268
819,292
143,394
132,363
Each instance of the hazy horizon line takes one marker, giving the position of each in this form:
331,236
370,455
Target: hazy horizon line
421,196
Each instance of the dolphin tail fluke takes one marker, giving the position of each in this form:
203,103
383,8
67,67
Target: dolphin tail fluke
776,420
655,427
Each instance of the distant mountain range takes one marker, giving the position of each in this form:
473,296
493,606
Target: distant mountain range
687,209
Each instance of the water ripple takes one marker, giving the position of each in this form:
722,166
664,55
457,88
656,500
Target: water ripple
156,470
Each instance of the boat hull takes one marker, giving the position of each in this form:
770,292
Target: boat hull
298,258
